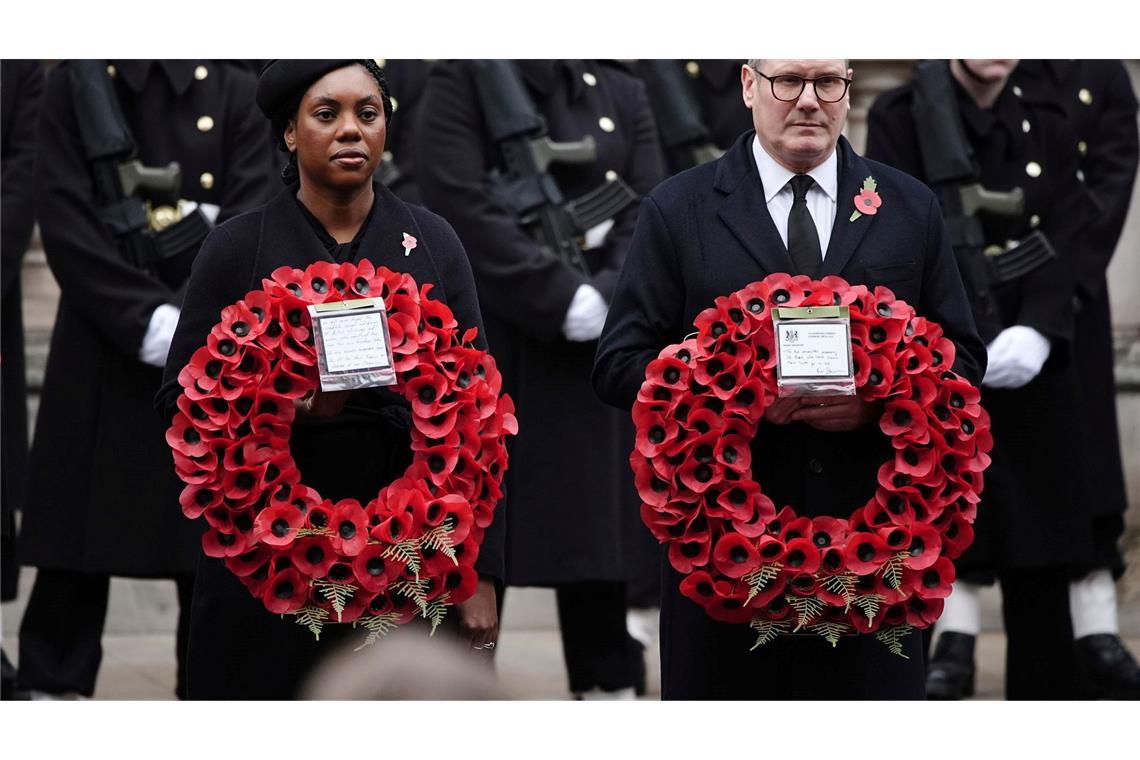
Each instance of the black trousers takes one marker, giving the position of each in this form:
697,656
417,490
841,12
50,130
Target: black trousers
598,651
1040,658
62,629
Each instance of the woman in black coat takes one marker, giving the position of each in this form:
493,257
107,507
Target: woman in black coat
570,487
331,117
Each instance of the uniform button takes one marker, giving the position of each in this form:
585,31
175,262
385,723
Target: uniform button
387,156
611,175
205,124
381,62
201,73
815,466
1083,147
1085,96
206,180
1025,125
693,68
1033,169
1080,175
607,124
1017,91
112,71
1035,221
589,79
395,105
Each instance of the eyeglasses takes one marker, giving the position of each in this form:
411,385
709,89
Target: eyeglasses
788,87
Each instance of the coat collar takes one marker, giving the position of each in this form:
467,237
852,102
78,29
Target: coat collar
544,76
179,72
745,212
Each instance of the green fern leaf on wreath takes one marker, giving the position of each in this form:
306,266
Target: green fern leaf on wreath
831,630
806,609
305,532
312,618
377,625
759,579
337,593
869,605
892,569
435,611
439,539
416,591
767,630
842,584
892,636
406,552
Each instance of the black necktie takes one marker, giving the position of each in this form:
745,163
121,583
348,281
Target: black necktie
803,239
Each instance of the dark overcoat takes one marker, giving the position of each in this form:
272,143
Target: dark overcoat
570,477
102,496
352,455
406,78
21,85
1032,512
706,233
1097,96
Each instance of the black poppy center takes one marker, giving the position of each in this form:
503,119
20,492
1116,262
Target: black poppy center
796,558
283,590
360,285
884,309
347,530
672,375
931,579
878,334
656,434
875,377
280,527
821,539
703,473
319,285
957,401
902,417
691,549
865,552
738,554
770,550
427,394
781,296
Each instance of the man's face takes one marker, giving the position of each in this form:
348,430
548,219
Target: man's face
991,70
802,133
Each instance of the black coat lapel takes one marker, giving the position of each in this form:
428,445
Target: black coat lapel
744,211
846,234
286,238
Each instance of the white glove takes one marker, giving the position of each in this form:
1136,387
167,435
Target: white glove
159,333
586,316
1016,356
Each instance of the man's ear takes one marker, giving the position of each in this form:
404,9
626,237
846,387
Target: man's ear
747,78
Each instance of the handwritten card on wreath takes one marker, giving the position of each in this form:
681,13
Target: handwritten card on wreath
353,350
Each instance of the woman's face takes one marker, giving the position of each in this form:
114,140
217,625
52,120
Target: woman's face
339,131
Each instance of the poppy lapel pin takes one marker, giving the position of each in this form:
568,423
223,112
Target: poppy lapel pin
409,244
867,201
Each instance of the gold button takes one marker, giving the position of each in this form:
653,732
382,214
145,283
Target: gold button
1085,96
201,73
589,79
1033,169
1017,91
693,68
395,105
1035,221
205,124
1083,147
112,71
611,175
381,62
607,124
1025,125
206,180
387,156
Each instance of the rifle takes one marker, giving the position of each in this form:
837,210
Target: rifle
139,203
526,188
953,174
676,111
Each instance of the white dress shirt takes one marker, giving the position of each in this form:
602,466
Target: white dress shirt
821,198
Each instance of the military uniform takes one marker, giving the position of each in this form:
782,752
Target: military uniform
102,496
569,482
1032,527
406,80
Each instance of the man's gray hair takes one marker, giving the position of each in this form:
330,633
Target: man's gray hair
757,63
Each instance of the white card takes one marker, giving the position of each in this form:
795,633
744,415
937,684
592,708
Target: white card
813,349
354,341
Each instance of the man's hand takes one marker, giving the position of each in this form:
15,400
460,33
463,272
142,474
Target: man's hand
780,411
322,403
478,618
835,413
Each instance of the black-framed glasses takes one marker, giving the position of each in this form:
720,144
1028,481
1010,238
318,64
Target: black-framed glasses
789,87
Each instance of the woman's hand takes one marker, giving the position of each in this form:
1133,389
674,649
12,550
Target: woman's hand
478,617
836,413
780,411
321,403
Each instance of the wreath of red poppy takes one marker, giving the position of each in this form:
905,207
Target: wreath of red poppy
886,568
409,551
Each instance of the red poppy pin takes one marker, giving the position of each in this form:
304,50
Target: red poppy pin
410,243
867,201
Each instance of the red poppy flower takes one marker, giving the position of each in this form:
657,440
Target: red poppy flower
905,421
730,610
828,531
803,584
372,570
771,549
313,555
285,592
349,528
184,437
754,298
654,433
278,525
868,202
865,553
698,586
916,461
689,554
734,453
459,583
218,544
248,562
785,290
735,556
923,613
957,535
802,555
201,375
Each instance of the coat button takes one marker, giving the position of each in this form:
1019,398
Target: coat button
111,70
607,124
381,62
1083,147
589,79
693,68
1081,175
1035,221
1017,91
206,180
1025,125
1085,96
205,124
611,175
201,72
395,105
815,466
1033,169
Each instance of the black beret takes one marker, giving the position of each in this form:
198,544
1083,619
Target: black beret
282,79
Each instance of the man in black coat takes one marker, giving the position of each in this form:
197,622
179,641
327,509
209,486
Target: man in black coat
21,85
569,481
1032,529
1098,99
712,230
102,496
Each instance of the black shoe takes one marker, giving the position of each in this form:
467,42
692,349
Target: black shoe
950,674
1106,669
8,690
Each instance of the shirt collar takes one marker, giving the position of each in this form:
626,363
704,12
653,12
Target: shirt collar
775,176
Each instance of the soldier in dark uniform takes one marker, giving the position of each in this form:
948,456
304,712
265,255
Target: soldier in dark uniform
21,85
1098,98
102,496
407,78
1032,528
569,482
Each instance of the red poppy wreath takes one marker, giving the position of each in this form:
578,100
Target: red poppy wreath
409,551
886,569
